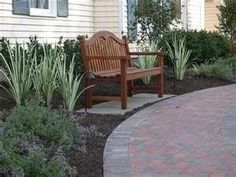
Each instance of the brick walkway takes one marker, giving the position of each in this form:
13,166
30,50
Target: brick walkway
193,135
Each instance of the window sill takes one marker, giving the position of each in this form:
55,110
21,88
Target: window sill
43,15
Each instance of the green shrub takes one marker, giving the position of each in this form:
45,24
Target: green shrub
203,70
146,16
206,46
71,48
231,61
33,140
223,72
4,50
219,70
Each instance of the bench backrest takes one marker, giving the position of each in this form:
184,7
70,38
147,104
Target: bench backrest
103,43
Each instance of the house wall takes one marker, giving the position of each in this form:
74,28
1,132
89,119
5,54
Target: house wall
85,17
211,11
110,15
79,21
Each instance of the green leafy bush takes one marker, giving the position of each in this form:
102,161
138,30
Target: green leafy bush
227,18
146,16
33,140
205,46
219,70
4,50
231,61
71,48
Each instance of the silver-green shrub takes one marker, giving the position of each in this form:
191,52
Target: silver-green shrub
34,140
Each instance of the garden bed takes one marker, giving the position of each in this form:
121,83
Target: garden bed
90,164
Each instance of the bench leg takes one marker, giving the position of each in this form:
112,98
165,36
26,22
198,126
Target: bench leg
160,84
130,88
123,93
89,94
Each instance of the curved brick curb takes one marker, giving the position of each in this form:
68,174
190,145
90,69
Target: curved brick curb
116,152
191,111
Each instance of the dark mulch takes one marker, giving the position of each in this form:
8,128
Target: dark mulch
90,164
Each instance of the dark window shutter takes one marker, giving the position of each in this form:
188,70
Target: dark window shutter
132,26
20,7
62,8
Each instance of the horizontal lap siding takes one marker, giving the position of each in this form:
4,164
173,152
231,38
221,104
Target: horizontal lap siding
211,18
110,15
106,15
79,21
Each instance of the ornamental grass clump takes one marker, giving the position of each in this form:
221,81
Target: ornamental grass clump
46,73
147,61
19,71
179,56
69,84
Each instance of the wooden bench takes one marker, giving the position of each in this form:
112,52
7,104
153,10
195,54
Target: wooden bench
108,58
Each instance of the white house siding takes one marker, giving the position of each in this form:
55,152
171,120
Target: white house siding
20,27
211,11
110,15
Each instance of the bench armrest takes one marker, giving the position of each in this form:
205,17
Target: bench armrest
147,53
161,56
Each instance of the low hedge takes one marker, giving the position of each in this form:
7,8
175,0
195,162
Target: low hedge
206,46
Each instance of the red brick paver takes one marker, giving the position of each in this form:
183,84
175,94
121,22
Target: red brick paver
192,135
182,137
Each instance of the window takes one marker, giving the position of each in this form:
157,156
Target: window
132,26
43,7
39,4
53,8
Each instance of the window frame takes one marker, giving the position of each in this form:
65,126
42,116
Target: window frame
50,12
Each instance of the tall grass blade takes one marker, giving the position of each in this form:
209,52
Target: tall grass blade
179,55
69,83
146,62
